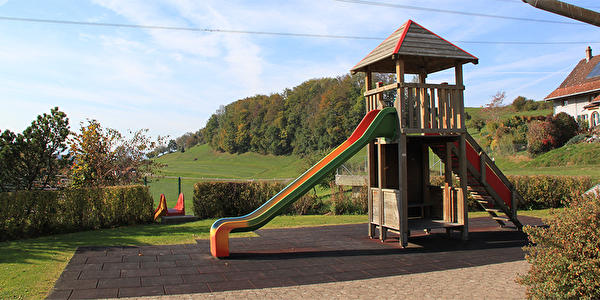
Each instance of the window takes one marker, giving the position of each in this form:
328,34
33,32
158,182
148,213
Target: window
595,119
595,72
565,102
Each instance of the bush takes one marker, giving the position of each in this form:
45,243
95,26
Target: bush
577,139
27,214
545,191
344,203
565,256
231,199
539,191
550,134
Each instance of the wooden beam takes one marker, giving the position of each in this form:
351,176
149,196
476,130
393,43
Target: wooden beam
463,202
458,73
370,168
403,184
381,170
400,105
448,183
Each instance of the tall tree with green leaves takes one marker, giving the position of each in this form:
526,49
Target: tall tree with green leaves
34,158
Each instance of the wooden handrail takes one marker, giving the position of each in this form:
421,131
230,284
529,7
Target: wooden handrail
398,85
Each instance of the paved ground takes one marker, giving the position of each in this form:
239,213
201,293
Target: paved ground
327,261
483,282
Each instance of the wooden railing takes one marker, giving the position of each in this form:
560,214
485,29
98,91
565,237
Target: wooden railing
425,108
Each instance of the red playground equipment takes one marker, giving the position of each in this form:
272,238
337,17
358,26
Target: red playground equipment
162,210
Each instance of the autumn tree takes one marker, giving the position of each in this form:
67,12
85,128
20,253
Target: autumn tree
107,158
34,158
495,107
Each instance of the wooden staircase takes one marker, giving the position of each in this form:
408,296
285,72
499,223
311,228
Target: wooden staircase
486,183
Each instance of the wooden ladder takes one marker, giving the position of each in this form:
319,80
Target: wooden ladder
486,183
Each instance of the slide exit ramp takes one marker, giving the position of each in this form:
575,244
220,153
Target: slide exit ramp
377,123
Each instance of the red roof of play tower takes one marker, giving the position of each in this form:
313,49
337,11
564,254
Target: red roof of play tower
420,49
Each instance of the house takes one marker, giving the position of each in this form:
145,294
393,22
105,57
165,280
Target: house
579,94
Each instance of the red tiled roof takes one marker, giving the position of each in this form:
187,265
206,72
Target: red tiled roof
576,82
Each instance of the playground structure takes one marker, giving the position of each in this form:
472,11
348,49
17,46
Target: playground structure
404,122
431,118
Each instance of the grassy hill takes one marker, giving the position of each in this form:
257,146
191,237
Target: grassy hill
201,161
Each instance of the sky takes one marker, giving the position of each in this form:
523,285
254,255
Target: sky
168,65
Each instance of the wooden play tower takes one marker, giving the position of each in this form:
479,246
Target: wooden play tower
430,119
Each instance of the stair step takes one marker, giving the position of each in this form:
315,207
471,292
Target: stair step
494,210
503,219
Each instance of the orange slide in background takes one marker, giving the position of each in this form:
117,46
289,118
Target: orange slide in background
162,210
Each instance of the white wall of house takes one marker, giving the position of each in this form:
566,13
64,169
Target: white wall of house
572,106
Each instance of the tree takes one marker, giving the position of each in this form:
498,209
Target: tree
33,159
494,108
477,121
172,146
519,103
107,158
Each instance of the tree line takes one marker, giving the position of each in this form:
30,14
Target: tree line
316,115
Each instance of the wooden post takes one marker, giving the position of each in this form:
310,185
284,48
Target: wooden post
379,98
403,187
370,164
458,74
463,207
370,150
423,101
381,170
448,211
368,76
400,100
463,202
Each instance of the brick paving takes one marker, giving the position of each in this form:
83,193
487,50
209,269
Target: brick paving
302,261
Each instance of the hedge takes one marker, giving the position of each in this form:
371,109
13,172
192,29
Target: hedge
231,199
538,191
27,214
546,191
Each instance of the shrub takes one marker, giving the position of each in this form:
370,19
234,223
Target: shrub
539,191
577,139
26,214
231,199
545,191
550,134
344,203
565,256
